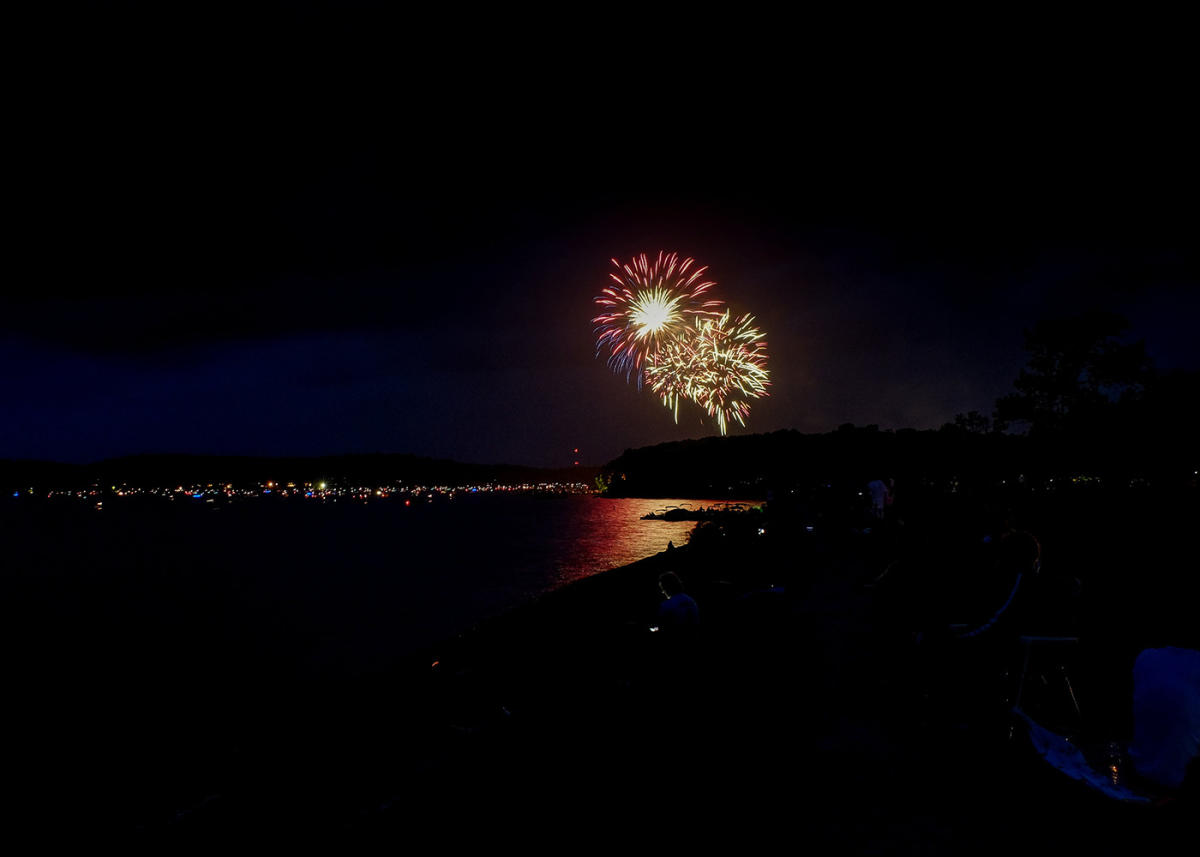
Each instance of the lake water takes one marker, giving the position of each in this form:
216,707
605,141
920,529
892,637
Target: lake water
299,586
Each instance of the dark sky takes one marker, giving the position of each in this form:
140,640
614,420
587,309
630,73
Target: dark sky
324,232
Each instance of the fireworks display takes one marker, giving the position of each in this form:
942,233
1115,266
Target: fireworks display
659,322
729,368
649,304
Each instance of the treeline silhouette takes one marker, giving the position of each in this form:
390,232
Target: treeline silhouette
1087,408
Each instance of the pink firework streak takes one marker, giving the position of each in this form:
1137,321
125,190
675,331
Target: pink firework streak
648,305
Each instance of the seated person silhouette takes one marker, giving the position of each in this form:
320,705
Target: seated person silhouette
678,613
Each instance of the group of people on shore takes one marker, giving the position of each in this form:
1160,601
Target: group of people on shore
1006,604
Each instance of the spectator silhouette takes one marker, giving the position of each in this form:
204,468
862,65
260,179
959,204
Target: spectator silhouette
879,497
678,613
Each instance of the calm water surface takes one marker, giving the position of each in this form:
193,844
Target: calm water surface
308,586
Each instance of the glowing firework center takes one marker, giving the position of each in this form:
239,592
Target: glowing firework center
653,312
716,362
646,305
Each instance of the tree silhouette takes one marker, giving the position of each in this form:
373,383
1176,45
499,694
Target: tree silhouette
971,422
1077,375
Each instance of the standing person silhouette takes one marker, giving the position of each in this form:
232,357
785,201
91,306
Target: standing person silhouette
879,497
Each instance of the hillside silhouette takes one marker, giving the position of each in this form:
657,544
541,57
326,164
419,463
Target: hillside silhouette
1088,405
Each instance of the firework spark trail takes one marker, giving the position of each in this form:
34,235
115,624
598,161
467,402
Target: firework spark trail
648,305
728,368
670,372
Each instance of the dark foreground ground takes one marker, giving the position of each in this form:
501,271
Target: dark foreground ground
804,715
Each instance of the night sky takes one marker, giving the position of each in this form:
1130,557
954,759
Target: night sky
320,234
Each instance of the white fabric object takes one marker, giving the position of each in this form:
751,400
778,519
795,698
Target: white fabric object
1166,713
1069,759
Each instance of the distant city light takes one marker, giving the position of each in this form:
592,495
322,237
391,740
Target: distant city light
430,493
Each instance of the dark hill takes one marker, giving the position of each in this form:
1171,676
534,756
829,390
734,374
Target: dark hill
750,466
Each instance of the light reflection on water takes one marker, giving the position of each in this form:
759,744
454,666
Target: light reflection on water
609,533
464,560
476,557
325,586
